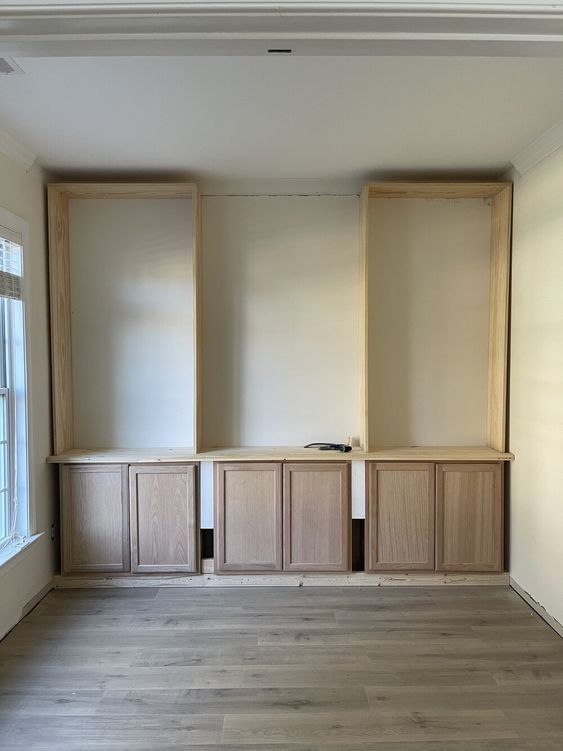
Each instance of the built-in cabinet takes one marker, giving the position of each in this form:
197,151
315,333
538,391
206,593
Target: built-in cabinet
447,517
95,518
164,518
469,517
300,524
400,504
117,518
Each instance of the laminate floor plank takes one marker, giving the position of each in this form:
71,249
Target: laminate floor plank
275,669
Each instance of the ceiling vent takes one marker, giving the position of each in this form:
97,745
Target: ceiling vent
9,66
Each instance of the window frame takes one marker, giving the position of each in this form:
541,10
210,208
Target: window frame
26,521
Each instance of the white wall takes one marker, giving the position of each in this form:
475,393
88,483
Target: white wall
536,386
132,322
280,319
428,271
23,193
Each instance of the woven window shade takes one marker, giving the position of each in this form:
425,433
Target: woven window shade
10,269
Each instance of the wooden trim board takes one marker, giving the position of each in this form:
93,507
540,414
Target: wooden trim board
436,189
354,579
539,609
280,454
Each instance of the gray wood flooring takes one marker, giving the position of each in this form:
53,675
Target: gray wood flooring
276,669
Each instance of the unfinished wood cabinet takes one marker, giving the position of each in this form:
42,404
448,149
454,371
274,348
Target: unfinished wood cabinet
316,516
95,518
400,516
469,517
248,517
164,518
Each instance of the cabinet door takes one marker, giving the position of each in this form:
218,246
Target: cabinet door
317,516
469,517
94,518
164,518
400,517
248,513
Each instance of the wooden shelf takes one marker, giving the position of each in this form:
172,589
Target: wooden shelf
281,453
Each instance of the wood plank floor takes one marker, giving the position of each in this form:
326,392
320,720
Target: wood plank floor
274,669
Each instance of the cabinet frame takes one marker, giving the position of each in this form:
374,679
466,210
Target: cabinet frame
371,518
500,194
195,565
59,195
66,519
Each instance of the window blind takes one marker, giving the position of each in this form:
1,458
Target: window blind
10,269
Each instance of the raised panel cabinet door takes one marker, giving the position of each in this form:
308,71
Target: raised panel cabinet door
400,516
248,516
316,516
164,518
95,518
469,517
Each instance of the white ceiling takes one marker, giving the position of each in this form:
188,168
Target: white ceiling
296,117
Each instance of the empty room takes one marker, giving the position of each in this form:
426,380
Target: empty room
281,375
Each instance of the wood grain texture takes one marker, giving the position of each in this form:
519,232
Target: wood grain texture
94,519
400,517
197,261
469,517
364,319
427,669
164,518
436,189
316,517
280,454
248,517
61,354
125,190
501,224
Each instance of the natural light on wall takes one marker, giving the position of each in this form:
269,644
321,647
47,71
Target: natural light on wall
13,422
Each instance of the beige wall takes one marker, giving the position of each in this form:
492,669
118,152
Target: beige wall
536,391
22,193
132,322
428,271
280,319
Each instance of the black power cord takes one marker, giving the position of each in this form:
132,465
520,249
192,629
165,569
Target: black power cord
329,447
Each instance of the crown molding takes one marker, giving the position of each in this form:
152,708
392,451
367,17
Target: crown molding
548,143
16,151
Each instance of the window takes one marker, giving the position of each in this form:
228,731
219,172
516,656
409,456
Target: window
13,419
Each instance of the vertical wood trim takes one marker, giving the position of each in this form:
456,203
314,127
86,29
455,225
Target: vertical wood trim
197,261
61,355
371,522
364,319
501,215
125,517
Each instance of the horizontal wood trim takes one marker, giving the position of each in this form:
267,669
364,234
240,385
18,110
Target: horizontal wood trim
124,190
280,454
436,189
281,579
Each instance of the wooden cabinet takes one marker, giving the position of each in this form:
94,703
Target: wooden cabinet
248,517
400,516
316,516
469,517
95,518
164,518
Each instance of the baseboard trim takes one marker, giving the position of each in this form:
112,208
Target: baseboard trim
355,579
540,610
